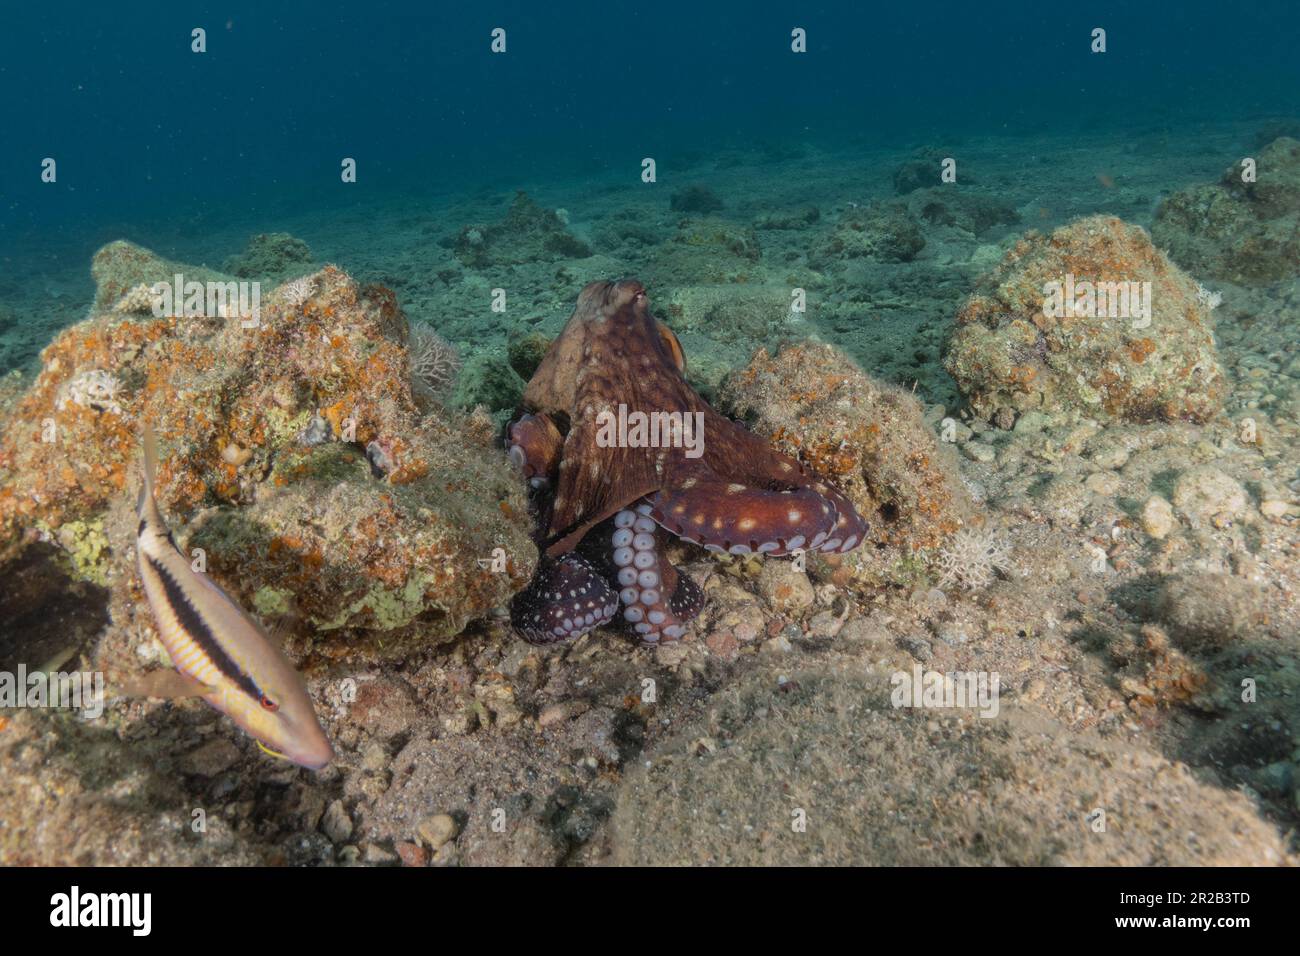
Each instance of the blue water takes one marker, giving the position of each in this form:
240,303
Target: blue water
148,134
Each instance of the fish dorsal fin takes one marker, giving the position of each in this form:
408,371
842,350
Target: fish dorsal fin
278,629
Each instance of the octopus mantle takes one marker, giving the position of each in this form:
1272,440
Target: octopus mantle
606,501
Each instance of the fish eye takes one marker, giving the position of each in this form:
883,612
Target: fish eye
268,704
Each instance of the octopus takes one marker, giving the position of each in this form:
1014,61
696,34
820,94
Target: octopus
608,498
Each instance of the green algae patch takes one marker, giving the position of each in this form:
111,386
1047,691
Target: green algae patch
86,547
283,426
329,464
390,608
272,602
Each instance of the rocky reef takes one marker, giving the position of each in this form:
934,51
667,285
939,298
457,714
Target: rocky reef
1113,542
869,437
1240,229
528,233
272,256
294,458
124,273
975,213
883,232
1092,319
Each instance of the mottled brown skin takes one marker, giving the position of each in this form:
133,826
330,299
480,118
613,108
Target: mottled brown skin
740,496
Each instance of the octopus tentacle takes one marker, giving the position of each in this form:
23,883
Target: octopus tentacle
535,446
736,518
618,496
753,461
849,529
567,598
658,601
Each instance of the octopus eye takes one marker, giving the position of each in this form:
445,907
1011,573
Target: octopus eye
268,704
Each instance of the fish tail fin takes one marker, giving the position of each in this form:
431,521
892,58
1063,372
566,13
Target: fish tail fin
150,467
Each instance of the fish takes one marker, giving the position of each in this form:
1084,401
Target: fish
226,657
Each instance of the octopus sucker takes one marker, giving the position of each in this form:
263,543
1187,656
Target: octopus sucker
567,598
605,511
753,515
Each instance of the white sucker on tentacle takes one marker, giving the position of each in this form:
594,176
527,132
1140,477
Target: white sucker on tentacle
657,600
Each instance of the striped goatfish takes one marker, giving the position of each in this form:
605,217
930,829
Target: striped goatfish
224,652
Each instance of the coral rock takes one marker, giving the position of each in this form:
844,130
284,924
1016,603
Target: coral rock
695,199
121,268
368,561
812,402
972,212
1238,231
271,255
883,232
1013,350
528,233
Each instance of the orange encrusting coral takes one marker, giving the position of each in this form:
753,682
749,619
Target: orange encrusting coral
279,517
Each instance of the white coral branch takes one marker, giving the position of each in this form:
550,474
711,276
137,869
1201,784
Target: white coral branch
972,558
434,361
296,292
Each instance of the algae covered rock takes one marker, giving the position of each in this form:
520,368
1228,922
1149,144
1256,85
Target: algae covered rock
800,217
961,208
525,352
1246,227
1092,319
882,232
488,379
528,233
293,456
923,168
871,439
705,250
271,255
752,315
695,198
124,272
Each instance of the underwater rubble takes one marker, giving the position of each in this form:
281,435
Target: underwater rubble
527,233
1101,514
272,256
1246,227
